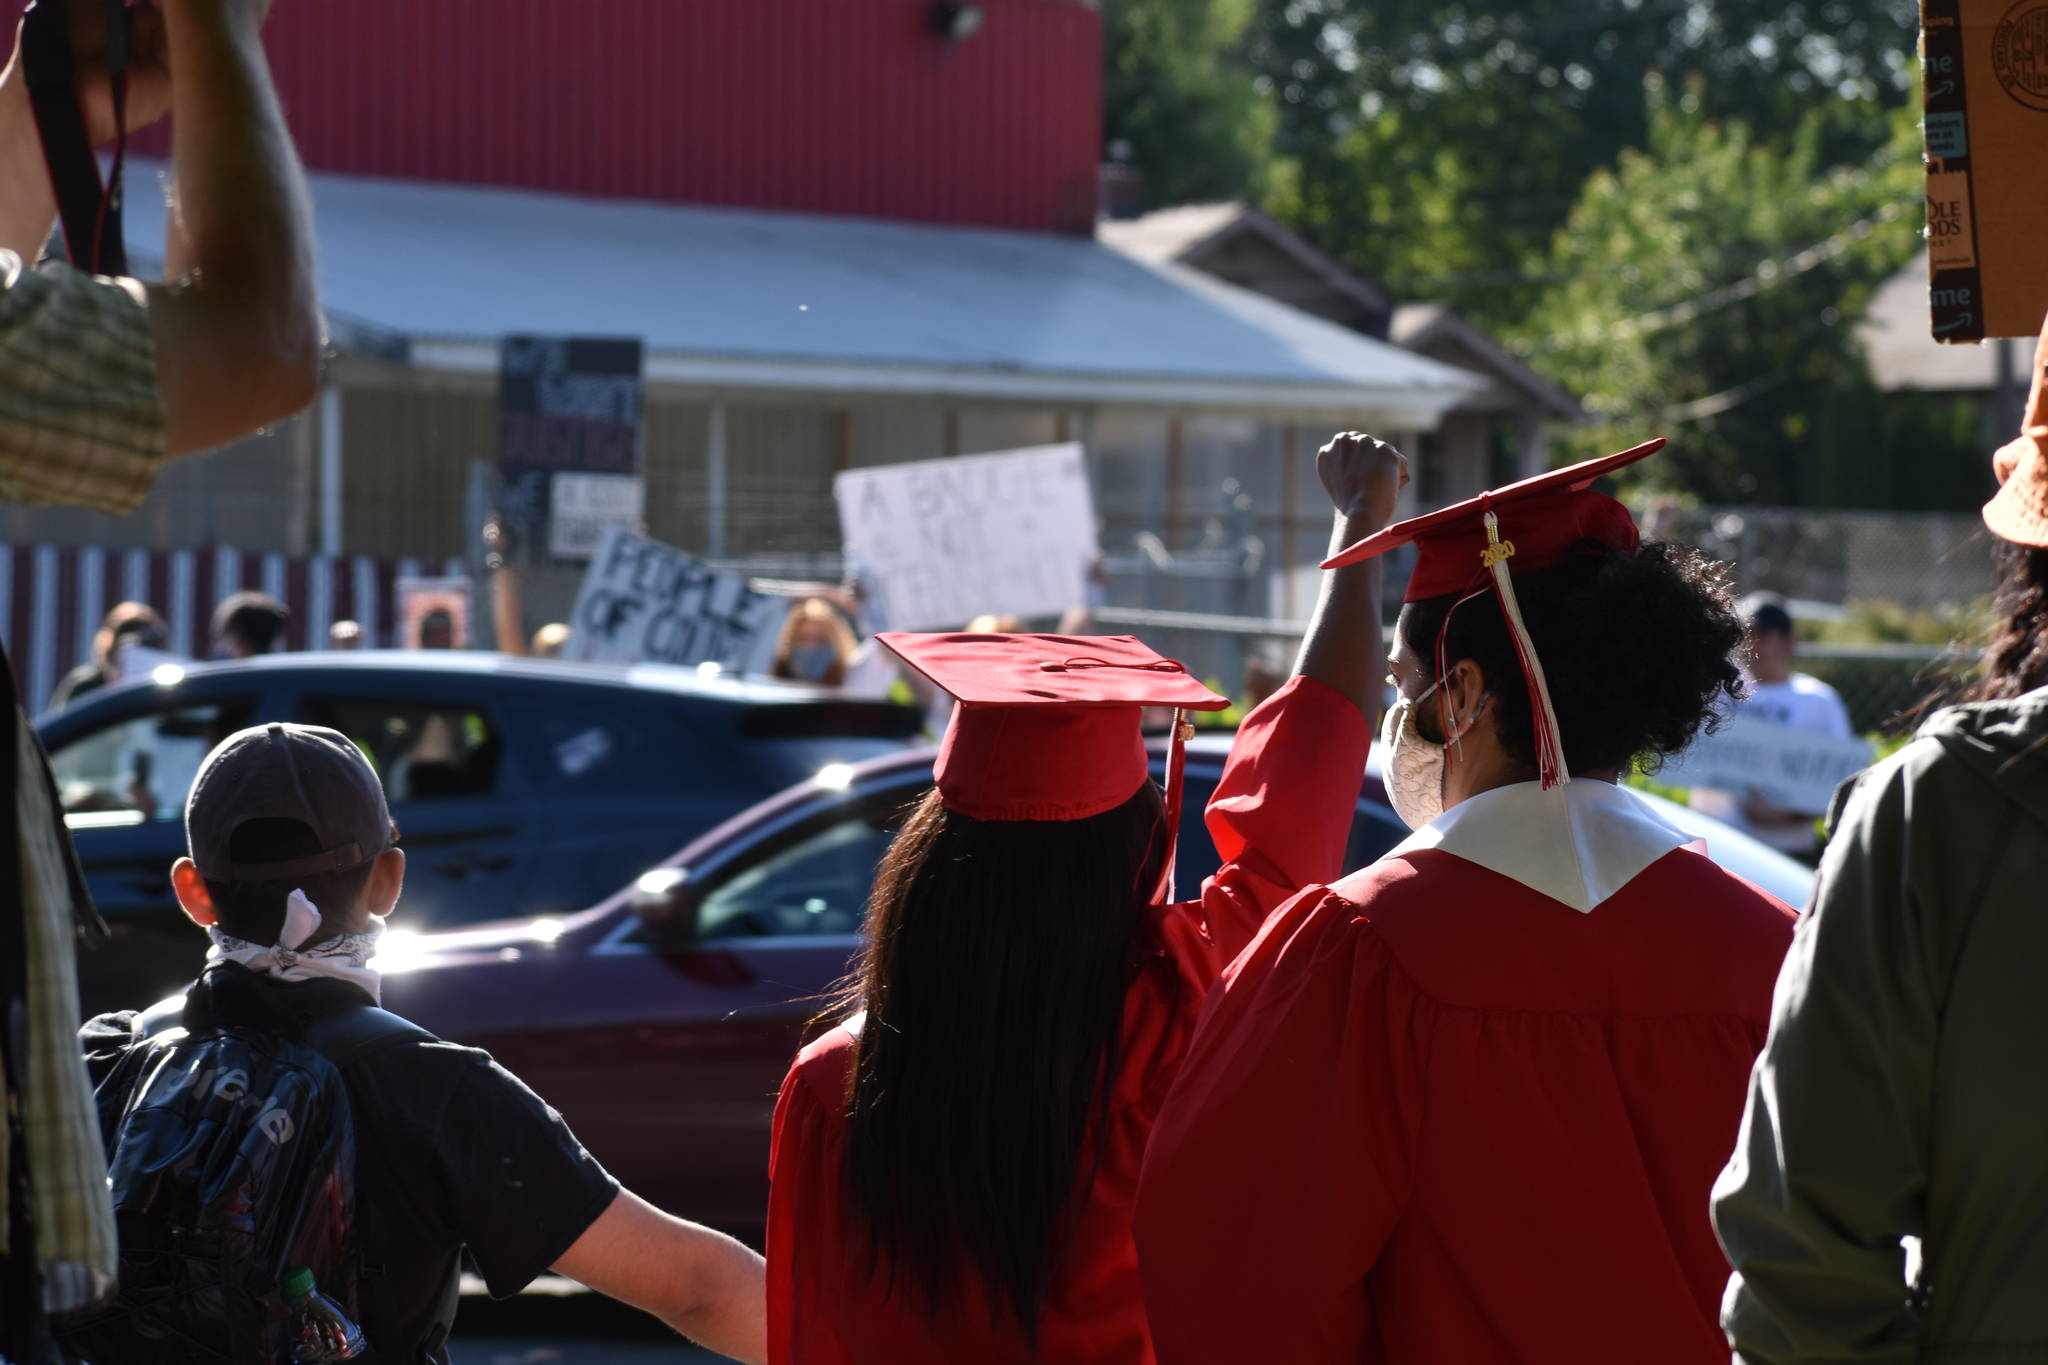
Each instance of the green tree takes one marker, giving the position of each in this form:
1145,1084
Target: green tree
1707,288
1479,120
1179,95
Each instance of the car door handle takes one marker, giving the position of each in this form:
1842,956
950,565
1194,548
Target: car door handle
149,886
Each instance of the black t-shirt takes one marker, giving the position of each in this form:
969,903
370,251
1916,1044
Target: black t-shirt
453,1152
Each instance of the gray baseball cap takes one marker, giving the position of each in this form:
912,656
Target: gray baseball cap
306,773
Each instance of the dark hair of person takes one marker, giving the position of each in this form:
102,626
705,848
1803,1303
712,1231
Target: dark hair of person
998,958
254,910
137,621
2016,660
1765,613
1639,650
257,619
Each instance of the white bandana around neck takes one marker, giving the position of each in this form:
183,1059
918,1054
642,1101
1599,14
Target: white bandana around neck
1515,831
345,957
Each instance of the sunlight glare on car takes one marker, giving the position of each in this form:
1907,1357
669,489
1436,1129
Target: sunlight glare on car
661,881
167,675
546,929
835,777
399,950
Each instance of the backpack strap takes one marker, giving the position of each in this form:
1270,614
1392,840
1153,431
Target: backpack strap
349,1036
160,1018
343,1036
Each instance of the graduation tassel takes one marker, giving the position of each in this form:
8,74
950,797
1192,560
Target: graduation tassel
1549,743
1176,761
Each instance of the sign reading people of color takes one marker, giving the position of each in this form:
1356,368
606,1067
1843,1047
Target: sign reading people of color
645,602
943,541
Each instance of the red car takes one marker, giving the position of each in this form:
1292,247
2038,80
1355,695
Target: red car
660,1022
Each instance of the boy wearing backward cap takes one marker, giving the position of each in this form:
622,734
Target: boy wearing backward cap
292,870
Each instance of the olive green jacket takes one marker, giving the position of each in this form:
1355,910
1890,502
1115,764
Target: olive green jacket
1904,1089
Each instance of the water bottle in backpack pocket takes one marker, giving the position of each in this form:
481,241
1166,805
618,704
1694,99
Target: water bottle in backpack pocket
231,1156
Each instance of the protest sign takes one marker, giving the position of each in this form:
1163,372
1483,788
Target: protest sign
433,613
645,602
943,541
569,440
1796,770
1985,68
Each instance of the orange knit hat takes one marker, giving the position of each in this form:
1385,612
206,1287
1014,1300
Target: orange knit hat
2018,511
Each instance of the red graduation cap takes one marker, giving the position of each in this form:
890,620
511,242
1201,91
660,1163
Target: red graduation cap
1047,726
1482,542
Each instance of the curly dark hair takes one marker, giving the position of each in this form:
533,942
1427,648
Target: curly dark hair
1640,651
2016,659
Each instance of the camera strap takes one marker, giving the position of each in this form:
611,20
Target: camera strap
89,208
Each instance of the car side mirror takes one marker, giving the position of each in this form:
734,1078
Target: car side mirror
666,902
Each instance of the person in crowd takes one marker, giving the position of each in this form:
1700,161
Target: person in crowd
1467,1103
508,606
247,624
129,623
437,630
549,641
1901,1093
1261,680
345,635
101,380
291,870
953,1161
815,646
1777,694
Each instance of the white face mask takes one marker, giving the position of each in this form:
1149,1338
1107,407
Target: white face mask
1415,766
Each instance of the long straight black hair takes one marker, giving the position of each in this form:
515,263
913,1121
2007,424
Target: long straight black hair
998,958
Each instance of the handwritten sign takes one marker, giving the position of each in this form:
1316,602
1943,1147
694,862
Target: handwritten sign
433,613
569,439
645,602
1793,769
943,541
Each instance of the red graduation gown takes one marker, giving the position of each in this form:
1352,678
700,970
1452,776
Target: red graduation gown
1436,1116
1280,819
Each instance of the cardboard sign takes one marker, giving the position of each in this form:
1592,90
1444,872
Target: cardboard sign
583,506
645,602
1793,769
943,541
433,613
568,440
1985,67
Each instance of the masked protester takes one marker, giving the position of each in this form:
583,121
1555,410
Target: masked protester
1901,1094
816,645
1467,1103
954,1161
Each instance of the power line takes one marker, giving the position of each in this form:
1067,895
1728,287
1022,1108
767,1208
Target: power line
1766,274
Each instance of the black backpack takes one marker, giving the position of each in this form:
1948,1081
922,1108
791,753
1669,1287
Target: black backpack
232,1157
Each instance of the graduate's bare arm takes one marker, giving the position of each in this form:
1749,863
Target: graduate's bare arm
1344,649
702,1283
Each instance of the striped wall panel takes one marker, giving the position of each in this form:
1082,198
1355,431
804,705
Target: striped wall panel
53,597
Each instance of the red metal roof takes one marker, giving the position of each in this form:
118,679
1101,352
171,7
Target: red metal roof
824,106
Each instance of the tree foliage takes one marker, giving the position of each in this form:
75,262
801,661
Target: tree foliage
1482,119
1678,208
1710,284
1181,101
